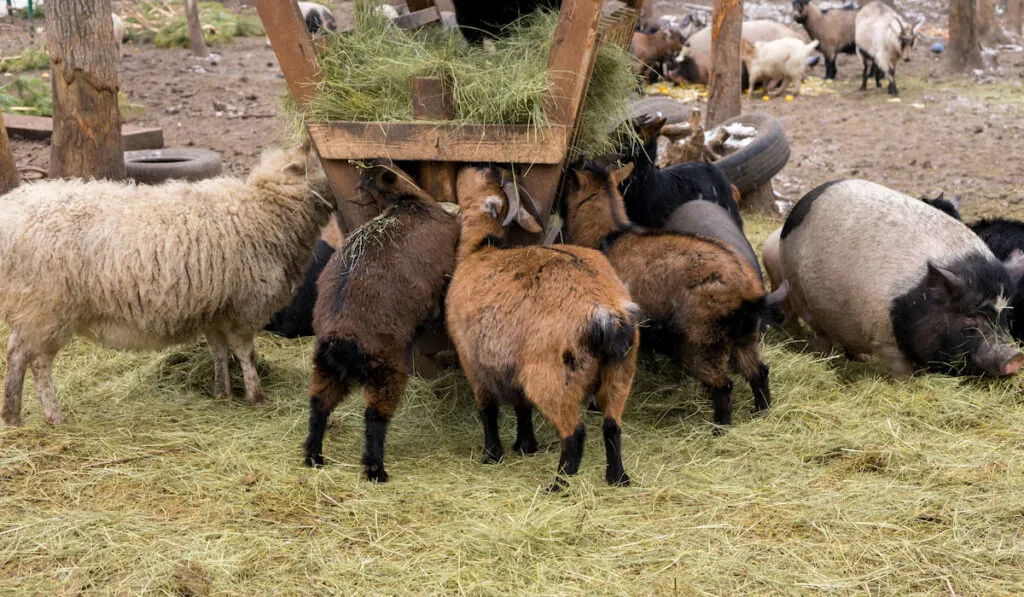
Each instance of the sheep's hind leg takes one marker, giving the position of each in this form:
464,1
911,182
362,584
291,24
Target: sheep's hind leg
221,375
243,347
18,358
382,398
616,382
42,373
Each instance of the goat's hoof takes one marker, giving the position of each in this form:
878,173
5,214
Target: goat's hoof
618,479
376,473
315,460
492,456
558,486
719,429
526,447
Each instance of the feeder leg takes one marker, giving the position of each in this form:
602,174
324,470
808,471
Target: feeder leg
355,207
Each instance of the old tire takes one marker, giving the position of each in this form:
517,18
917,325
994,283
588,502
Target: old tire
669,108
762,159
152,166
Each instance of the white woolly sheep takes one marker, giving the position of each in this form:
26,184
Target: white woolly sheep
784,59
118,31
883,37
144,267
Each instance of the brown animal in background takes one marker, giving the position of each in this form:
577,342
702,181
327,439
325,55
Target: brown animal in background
704,300
538,326
380,289
653,50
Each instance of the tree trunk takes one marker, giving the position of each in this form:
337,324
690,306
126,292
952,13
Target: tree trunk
964,51
989,29
86,138
725,90
195,29
8,171
1015,16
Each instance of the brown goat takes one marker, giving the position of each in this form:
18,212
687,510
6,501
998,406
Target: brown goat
653,50
540,326
379,290
704,299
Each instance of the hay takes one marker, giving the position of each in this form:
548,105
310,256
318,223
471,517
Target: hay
851,484
33,57
163,23
367,71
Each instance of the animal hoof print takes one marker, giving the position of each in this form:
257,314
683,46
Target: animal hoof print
376,473
526,448
620,479
315,461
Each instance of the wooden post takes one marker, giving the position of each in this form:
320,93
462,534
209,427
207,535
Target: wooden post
725,90
86,120
195,30
432,100
8,170
293,46
964,49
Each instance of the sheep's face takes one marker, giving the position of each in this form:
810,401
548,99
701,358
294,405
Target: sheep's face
304,165
492,192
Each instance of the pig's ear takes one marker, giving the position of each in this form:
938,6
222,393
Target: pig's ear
1014,264
943,278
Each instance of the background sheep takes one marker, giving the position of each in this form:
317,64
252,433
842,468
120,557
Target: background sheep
144,267
782,59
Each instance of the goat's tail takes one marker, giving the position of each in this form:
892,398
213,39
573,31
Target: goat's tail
609,333
750,315
338,363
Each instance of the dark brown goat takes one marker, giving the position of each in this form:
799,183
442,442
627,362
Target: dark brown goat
538,326
382,287
654,50
702,297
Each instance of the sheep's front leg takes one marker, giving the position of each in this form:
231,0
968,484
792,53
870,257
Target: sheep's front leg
42,373
18,358
242,345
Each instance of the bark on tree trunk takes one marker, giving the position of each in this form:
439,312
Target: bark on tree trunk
195,29
964,51
86,138
989,29
8,170
1015,16
725,85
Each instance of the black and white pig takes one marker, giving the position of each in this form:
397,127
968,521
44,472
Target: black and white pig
884,274
710,219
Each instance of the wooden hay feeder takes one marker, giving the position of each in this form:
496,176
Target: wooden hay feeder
437,147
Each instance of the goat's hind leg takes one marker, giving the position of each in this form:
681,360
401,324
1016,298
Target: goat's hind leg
526,439
328,390
868,69
382,397
559,401
616,383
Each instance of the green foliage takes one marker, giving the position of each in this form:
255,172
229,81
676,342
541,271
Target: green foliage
27,95
367,72
163,23
33,57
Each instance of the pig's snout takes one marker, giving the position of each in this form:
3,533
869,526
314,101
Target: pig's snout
1013,365
999,359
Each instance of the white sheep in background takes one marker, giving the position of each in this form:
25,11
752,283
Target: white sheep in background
144,267
118,31
883,37
782,59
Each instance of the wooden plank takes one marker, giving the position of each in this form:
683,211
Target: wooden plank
40,128
355,207
573,51
433,141
417,19
415,5
725,85
293,45
432,100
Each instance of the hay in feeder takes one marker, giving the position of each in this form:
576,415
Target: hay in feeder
367,72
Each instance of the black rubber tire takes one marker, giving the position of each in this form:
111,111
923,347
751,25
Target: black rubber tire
672,110
762,159
150,166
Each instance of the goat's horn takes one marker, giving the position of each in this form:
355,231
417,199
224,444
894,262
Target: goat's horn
534,208
513,203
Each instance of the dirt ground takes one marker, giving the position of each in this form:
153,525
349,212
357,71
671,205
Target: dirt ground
957,134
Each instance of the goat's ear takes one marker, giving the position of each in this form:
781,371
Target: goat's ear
622,174
492,205
572,180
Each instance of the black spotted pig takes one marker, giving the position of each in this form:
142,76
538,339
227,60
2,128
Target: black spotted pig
710,219
884,274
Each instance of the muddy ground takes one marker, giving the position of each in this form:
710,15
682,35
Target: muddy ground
958,134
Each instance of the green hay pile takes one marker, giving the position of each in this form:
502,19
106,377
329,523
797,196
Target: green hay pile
850,484
163,23
367,72
33,57
27,95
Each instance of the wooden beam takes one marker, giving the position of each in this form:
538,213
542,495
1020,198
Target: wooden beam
432,141
415,20
40,128
573,51
432,100
725,91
